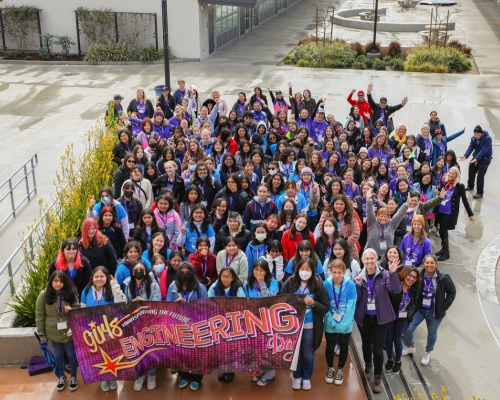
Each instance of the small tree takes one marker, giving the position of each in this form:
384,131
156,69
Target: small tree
65,43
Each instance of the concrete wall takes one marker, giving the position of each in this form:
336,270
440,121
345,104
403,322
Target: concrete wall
58,18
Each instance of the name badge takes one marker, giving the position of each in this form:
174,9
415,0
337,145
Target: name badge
61,326
408,228
408,263
131,226
426,302
337,317
371,306
383,245
403,314
364,220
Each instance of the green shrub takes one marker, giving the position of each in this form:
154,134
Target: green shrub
452,58
65,42
410,66
339,64
357,47
150,54
44,54
288,60
369,62
397,64
314,64
386,59
28,57
8,55
394,49
327,64
359,65
302,63
319,52
426,67
441,69
378,64
361,58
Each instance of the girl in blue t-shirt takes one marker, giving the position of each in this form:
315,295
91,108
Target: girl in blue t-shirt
305,250
198,224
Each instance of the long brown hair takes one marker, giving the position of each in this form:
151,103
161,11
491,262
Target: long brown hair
107,286
320,164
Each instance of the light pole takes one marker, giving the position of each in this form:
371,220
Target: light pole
166,55
373,52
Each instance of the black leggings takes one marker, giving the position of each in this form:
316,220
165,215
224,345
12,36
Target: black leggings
331,341
444,222
373,339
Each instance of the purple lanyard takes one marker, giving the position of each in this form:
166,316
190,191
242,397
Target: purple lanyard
185,295
230,261
204,266
428,286
138,189
127,205
371,288
59,308
96,297
163,218
406,297
263,214
383,230
202,188
170,184
412,248
337,303
137,290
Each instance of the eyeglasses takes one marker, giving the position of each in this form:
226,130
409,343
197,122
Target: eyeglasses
413,277
139,270
130,161
199,213
202,170
226,277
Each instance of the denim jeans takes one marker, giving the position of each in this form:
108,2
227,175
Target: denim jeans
432,328
305,363
59,350
394,336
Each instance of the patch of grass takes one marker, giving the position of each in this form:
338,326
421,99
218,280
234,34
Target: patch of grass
302,63
328,64
452,58
319,53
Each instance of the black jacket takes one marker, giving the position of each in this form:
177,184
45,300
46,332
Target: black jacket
412,307
320,308
458,194
211,189
178,186
116,237
118,179
101,256
445,293
239,202
141,236
134,211
358,176
387,111
119,151
167,105
243,238
253,99
82,276
132,107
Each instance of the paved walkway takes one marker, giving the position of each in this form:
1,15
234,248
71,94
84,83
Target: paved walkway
43,109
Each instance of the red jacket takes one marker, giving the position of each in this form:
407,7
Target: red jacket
290,246
233,146
163,283
363,107
197,260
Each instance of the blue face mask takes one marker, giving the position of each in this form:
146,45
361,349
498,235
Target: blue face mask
159,268
105,200
192,167
202,176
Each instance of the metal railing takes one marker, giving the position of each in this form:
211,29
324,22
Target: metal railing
32,162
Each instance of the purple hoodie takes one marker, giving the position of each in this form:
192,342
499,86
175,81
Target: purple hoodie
385,283
317,130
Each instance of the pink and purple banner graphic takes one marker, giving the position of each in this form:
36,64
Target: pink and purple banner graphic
208,336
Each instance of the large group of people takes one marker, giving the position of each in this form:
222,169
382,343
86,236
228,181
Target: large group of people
272,195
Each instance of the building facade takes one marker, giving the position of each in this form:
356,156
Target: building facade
197,28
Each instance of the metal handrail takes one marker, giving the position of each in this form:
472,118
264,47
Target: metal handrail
33,161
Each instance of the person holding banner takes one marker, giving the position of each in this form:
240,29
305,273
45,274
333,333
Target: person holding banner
374,311
261,284
227,285
52,306
138,287
185,288
340,318
98,292
305,281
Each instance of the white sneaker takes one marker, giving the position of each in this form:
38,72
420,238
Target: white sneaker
409,350
113,385
329,375
151,382
306,384
426,358
139,383
337,349
105,386
296,383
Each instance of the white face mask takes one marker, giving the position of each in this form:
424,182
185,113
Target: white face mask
305,275
329,230
272,171
260,236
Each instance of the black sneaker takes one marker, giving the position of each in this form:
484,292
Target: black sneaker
73,383
62,383
396,368
388,365
339,377
468,188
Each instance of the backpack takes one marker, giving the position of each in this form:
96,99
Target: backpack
251,208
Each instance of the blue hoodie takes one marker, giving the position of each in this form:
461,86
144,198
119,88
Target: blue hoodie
254,212
263,290
300,201
123,271
347,306
254,252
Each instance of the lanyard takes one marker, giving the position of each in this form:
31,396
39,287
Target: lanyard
72,274
59,307
204,266
306,289
202,188
383,230
337,303
185,294
371,289
262,211
127,205
428,286
137,290
412,248
138,189
164,218
230,261
96,297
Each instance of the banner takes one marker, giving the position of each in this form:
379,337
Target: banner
209,336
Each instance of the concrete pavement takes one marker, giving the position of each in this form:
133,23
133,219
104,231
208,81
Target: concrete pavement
44,109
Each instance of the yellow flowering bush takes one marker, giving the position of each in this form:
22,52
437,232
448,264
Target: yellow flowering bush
77,182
